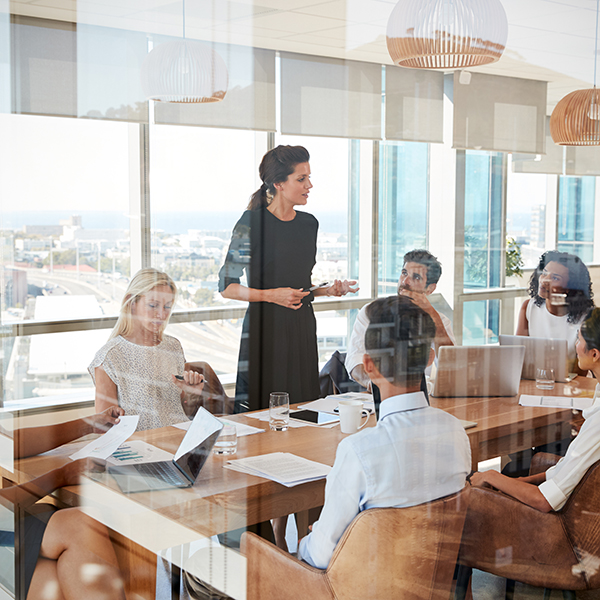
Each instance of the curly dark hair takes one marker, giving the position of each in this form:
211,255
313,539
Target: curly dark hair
590,329
579,288
423,257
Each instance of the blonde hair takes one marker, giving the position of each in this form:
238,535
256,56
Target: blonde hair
143,282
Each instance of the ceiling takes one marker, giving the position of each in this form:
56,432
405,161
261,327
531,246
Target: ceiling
550,40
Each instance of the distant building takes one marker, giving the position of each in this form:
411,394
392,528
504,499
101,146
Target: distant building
45,230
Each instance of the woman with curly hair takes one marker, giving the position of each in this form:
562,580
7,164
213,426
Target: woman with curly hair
561,297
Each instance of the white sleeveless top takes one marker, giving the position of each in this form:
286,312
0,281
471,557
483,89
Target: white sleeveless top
543,324
142,375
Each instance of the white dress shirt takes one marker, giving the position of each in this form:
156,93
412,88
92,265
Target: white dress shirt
356,347
582,453
414,454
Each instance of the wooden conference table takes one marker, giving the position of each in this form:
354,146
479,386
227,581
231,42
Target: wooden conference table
223,500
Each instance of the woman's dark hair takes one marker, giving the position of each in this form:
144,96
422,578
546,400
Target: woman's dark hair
579,288
590,329
276,166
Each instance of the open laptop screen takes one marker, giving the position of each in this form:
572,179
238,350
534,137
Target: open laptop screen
197,444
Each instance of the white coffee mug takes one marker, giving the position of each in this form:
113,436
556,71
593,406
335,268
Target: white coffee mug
351,412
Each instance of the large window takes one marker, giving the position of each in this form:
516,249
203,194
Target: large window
403,204
576,200
483,243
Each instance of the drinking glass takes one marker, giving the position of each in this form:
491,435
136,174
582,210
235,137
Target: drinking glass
279,411
544,379
227,441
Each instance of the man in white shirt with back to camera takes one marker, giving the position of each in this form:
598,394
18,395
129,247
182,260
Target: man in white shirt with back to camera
415,453
419,277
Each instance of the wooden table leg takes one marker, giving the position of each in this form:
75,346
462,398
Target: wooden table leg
138,567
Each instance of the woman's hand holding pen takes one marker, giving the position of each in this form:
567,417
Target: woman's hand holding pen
191,382
287,297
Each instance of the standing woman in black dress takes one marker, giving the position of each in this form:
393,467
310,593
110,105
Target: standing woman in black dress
277,245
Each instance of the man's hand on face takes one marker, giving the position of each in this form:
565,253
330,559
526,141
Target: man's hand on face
419,298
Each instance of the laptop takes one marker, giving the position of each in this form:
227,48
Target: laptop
483,371
183,469
541,353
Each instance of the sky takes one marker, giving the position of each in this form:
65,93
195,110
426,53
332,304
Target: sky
78,164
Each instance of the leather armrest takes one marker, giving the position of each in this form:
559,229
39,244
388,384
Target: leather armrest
274,574
542,461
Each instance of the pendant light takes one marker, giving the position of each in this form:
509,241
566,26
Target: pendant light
575,120
446,34
184,70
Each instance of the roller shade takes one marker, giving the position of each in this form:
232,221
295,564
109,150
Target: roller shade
250,99
330,97
551,163
44,67
582,160
5,84
108,73
503,114
414,105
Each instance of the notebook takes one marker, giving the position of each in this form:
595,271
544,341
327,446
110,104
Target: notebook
482,371
183,469
541,353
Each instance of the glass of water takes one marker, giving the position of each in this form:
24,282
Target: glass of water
544,379
279,411
227,441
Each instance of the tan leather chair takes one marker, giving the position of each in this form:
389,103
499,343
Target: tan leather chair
556,550
213,397
385,553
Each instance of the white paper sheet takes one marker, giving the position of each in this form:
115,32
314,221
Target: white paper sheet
285,468
106,444
576,403
264,417
329,403
241,428
203,426
136,452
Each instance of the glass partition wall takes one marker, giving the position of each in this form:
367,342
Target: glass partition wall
98,183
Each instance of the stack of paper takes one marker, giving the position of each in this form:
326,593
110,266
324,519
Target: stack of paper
285,468
330,403
577,403
241,428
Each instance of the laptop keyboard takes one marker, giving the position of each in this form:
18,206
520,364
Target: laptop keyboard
160,472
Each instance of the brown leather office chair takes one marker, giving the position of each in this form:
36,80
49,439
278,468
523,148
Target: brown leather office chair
213,397
556,550
385,553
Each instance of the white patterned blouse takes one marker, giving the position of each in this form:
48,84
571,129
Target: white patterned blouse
142,375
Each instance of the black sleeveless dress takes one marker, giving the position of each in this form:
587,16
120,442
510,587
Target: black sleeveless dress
278,350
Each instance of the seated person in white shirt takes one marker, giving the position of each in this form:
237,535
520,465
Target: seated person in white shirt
413,455
419,277
550,490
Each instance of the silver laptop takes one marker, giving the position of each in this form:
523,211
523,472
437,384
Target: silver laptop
541,353
183,469
482,371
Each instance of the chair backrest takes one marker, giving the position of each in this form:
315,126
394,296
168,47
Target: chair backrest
581,518
334,378
407,553
213,397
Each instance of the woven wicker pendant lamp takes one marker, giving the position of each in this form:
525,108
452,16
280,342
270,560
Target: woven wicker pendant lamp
446,34
575,120
184,71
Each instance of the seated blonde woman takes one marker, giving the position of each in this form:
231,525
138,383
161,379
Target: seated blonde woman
139,368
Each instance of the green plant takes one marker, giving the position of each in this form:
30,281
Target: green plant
514,259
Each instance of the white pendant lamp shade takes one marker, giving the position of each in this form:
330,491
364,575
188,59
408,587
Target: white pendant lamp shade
575,120
184,71
446,34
